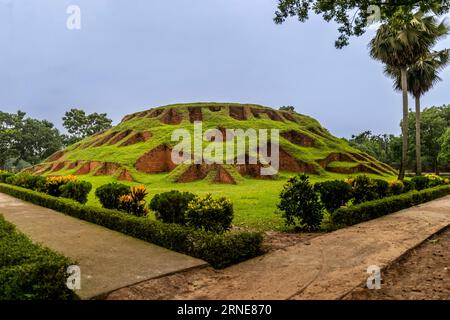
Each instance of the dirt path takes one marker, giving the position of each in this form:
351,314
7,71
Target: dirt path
423,273
326,267
108,260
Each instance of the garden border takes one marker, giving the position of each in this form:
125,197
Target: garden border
220,250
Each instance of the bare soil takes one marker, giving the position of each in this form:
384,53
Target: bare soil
422,274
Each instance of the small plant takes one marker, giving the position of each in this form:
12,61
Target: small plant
76,190
333,194
364,189
396,187
210,214
420,182
170,207
381,188
300,204
134,203
52,184
109,194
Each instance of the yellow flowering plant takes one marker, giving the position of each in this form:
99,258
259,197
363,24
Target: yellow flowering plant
53,183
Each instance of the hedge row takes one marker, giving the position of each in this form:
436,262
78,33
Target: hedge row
219,250
347,216
30,271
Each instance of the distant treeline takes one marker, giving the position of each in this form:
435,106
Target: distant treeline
435,141
25,141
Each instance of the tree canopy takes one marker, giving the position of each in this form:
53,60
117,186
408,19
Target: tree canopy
26,139
353,16
79,125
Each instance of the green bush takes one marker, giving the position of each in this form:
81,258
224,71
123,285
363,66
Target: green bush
377,208
4,175
29,271
300,204
396,187
170,207
109,194
76,190
420,182
28,181
381,188
434,180
364,189
333,194
220,250
408,185
210,214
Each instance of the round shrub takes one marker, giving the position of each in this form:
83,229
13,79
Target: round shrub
381,188
300,204
434,180
170,207
333,194
210,214
396,187
409,186
76,190
364,189
109,194
420,182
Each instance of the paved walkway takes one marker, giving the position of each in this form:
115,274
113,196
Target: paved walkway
326,267
108,260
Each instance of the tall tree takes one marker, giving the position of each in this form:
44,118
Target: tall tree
79,125
422,76
399,45
352,16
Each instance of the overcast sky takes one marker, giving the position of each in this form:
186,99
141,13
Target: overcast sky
132,55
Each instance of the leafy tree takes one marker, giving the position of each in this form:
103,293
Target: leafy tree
399,46
7,132
353,16
386,148
422,77
79,125
287,108
434,123
25,140
444,154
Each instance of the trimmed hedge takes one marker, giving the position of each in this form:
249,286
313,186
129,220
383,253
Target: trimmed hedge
374,209
219,250
29,271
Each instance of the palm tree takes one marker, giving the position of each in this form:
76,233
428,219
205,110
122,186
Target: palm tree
399,45
422,76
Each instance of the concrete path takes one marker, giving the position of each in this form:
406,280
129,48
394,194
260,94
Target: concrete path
326,267
108,260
